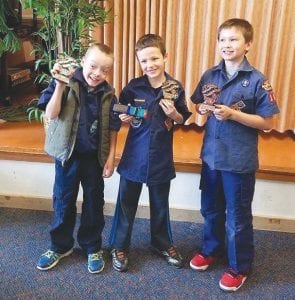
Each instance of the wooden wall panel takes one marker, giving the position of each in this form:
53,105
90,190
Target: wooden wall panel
190,30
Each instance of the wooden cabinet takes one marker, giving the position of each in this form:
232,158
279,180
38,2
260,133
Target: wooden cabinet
16,69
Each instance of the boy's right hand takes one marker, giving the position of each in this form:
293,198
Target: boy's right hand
56,69
61,74
202,109
125,118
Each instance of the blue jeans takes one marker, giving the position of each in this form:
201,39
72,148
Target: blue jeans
127,203
84,169
226,200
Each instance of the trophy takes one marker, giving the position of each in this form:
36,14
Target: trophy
68,64
137,112
170,92
211,93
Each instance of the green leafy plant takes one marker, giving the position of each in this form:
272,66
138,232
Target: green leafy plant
22,113
9,42
66,28
35,113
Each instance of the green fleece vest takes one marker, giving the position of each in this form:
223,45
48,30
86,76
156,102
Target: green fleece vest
62,131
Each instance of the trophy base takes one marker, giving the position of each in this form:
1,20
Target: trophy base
62,78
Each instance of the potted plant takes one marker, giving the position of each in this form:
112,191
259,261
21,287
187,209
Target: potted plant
66,28
9,41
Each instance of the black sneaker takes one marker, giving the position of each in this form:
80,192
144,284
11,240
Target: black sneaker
119,260
171,255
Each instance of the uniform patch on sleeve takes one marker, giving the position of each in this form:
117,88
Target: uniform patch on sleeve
267,87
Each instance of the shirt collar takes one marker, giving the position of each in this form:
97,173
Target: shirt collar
143,80
245,66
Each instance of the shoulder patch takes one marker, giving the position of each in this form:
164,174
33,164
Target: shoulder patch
267,87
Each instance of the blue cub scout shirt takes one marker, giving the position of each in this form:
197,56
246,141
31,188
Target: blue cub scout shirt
229,145
148,155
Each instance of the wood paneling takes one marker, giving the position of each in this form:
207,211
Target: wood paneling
190,30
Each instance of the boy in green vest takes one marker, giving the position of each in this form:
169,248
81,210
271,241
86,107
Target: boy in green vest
81,137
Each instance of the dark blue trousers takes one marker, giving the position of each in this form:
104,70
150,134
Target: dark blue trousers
226,200
84,169
127,203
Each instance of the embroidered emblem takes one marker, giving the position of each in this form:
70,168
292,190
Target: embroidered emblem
135,123
267,87
136,100
238,105
245,82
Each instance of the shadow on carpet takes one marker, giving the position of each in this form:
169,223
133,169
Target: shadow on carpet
24,235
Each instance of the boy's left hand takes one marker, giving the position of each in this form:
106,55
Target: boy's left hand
222,112
108,169
168,107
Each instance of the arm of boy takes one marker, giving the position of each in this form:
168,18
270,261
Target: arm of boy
54,105
223,112
125,118
109,166
202,114
170,110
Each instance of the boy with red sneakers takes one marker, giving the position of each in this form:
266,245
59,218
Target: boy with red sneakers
238,102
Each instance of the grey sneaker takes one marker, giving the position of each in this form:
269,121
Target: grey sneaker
172,256
49,259
95,262
119,260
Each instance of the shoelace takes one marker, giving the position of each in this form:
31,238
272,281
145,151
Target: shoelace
95,256
233,273
172,252
50,254
121,255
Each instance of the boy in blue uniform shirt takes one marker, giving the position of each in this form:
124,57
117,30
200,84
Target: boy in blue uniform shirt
82,138
237,101
147,156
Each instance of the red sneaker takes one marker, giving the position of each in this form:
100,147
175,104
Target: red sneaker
201,263
231,281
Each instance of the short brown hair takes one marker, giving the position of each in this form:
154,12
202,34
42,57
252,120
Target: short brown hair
102,47
151,40
242,24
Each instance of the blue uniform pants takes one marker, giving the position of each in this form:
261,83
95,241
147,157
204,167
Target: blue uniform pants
127,203
87,170
226,200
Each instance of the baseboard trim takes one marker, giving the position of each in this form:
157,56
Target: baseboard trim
36,203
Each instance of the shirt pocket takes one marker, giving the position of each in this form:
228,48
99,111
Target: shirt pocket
244,103
250,106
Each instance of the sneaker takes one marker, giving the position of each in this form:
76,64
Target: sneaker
95,262
172,256
201,262
49,259
119,260
231,281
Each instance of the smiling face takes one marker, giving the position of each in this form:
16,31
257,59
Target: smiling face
152,63
232,45
96,66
